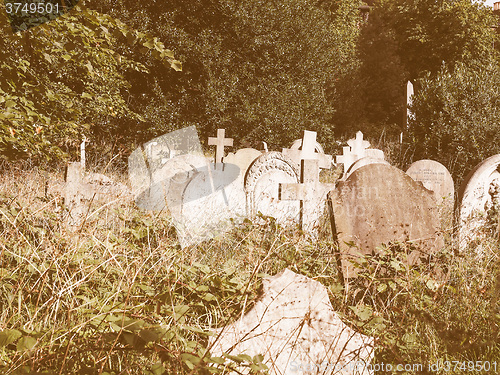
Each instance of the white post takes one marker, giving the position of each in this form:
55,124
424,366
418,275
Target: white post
82,153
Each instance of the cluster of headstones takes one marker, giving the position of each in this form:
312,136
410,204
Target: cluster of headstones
372,203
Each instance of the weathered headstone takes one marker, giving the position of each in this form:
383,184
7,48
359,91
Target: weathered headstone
206,205
297,145
293,325
310,192
357,149
150,165
435,177
74,196
242,158
262,187
378,204
307,151
480,204
361,163
220,142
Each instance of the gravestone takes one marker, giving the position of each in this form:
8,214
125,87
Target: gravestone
152,165
357,149
435,177
307,151
479,203
262,187
208,204
310,192
361,163
220,142
181,167
242,158
297,145
74,196
378,204
293,325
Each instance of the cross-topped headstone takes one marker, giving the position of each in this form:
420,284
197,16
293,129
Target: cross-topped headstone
310,192
220,142
307,151
357,149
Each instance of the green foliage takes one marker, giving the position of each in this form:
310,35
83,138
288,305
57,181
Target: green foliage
253,68
65,78
457,117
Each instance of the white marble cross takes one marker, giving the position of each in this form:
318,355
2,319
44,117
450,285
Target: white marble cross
355,151
310,192
220,142
308,151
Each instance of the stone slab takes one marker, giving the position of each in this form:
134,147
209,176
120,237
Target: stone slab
378,204
293,325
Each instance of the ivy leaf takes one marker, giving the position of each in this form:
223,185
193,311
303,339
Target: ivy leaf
9,336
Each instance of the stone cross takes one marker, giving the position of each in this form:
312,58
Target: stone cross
307,151
220,142
355,151
310,192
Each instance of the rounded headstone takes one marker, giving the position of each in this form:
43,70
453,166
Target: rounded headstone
297,145
262,187
361,163
435,177
209,200
476,197
242,158
178,169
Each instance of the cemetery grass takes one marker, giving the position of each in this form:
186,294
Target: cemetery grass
120,296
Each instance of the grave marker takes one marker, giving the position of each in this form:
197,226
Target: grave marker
307,151
378,204
357,149
311,194
478,199
262,187
294,326
220,142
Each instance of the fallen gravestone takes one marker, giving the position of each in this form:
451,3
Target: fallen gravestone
311,194
262,188
357,149
479,199
378,204
293,325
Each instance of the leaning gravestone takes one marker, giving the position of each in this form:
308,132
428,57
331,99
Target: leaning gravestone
262,187
378,204
479,199
361,163
293,325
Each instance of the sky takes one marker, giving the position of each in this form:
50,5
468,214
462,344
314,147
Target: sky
490,2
